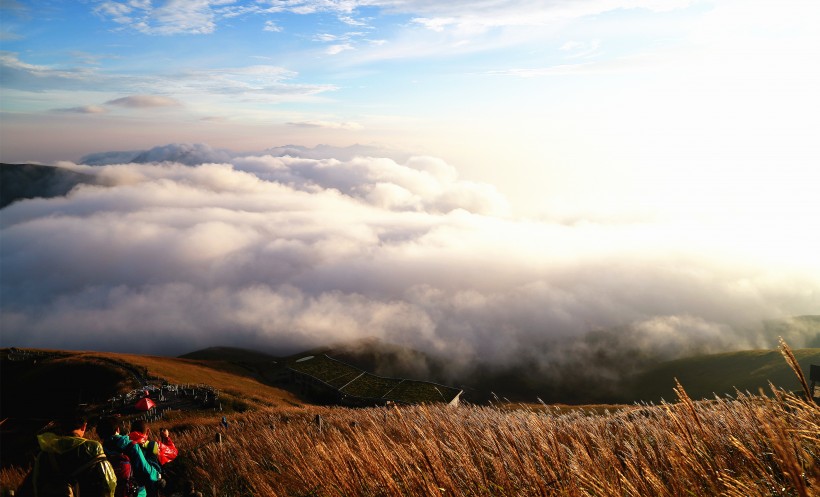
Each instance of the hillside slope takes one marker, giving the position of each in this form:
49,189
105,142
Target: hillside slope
231,354
21,181
701,375
38,382
704,376
383,358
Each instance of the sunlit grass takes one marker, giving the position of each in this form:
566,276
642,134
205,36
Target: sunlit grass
751,445
232,380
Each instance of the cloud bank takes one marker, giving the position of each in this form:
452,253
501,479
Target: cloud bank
185,246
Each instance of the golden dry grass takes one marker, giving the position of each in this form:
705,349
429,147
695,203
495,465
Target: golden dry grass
749,446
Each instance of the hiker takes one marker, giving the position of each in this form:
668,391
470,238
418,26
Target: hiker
150,449
68,464
132,469
156,453
167,451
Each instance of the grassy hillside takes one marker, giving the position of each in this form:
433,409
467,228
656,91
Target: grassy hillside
702,376
231,354
230,378
52,378
42,386
383,359
20,181
241,376
614,373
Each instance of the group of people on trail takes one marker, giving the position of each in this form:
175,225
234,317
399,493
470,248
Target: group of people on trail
121,466
137,460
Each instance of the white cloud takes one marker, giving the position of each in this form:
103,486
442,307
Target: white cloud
291,252
338,48
119,12
202,16
272,27
421,184
339,42
85,109
217,86
351,21
326,37
415,28
144,101
338,153
351,126
261,82
182,16
21,75
578,49
168,18
519,12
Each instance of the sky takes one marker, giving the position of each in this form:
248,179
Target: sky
491,177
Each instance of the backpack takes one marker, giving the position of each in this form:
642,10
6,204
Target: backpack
127,485
54,481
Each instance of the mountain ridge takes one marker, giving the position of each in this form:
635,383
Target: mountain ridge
26,181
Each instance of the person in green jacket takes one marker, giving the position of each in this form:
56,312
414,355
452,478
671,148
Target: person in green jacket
68,464
114,444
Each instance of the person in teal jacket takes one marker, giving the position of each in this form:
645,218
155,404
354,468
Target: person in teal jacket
143,472
69,464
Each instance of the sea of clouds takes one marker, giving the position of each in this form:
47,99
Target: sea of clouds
184,246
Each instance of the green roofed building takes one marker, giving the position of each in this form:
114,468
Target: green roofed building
342,383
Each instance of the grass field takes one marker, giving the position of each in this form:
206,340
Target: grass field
750,446
746,447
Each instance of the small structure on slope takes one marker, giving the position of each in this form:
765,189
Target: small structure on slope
145,404
341,383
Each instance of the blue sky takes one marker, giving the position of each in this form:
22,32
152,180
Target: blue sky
544,168
558,92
